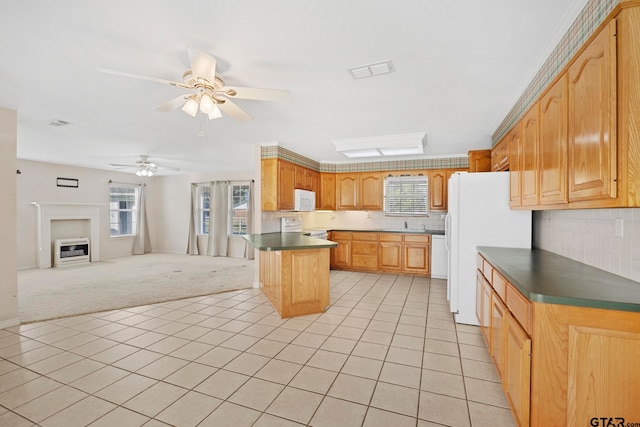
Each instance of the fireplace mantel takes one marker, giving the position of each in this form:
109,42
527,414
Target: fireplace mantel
52,211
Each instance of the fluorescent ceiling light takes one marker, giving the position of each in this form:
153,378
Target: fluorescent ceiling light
370,70
389,145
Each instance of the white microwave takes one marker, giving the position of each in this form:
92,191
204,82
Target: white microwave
304,201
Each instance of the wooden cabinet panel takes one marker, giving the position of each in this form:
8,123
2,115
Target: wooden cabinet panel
529,160
346,191
390,256
327,192
365,236
592,120
438,190
269,184
515,179
308,291
520,306
500,156
286,185
341,255
417,238
553,144
417,258
370,191
499,284
516,378
479,160
483,306
498,310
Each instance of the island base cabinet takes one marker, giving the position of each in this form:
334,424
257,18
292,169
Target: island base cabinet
296,282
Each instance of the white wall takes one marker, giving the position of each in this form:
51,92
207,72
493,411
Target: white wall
37,183
371,220
8,235
168,209
588,236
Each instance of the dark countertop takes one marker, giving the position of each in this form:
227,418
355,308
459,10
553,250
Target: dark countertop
286,242
388,230
545,277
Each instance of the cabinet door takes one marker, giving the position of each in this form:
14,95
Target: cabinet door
498,310
417,258
500,156
346,191
370,191
341,254
515,199
483,306
390,256
553,144
286,185
300,178
516,376
327,191
529,161
592,120
438,190
479,160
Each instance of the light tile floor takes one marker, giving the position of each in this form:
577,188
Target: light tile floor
386,352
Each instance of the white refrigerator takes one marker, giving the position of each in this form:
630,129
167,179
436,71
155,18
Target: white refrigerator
479,215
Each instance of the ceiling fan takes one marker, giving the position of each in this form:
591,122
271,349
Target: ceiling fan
143,167
207,90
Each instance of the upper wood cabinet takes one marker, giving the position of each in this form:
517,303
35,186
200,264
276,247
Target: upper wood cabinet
359,191
370,188
500,156
479,160
529,160
326,196
438,180
553,144
277,184
515,193
592,120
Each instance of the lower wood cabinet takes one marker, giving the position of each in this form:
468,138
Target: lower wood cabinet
382,252
560,365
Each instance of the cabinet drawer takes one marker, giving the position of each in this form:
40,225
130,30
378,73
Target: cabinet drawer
341,235
487,270
369,262
417,238
480,262
520,306
389,237
364,248
499,284
365,236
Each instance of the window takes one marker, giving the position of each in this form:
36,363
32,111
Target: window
203,193
123,212
406,195
239,209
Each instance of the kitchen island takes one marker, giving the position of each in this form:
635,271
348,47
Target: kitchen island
294,272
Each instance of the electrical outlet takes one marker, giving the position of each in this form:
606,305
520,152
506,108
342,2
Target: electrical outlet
619,227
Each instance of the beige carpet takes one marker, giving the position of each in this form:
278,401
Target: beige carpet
126,282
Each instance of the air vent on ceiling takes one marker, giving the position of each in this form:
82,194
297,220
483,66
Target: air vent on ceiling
371,70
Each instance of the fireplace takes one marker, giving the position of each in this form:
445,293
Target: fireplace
50,212
71,252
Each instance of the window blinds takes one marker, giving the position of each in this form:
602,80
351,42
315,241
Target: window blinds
406,195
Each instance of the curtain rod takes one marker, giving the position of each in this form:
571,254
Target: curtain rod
126,183
224,180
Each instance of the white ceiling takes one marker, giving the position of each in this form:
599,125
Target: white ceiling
459,66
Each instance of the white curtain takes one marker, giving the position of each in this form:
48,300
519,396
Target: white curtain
142,243
192,243
218,240
249,252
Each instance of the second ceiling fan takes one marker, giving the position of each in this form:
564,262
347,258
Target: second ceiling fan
207,90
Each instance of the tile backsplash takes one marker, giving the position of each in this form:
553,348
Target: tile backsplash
589,236
371,220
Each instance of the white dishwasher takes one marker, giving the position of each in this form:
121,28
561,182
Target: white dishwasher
439,257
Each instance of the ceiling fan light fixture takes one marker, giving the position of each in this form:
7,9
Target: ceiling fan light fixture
190,107
215,114
206,104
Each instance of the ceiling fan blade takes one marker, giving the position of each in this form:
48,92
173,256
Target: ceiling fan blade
234,111
257,94
141,77
202,64
173,104
118,165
